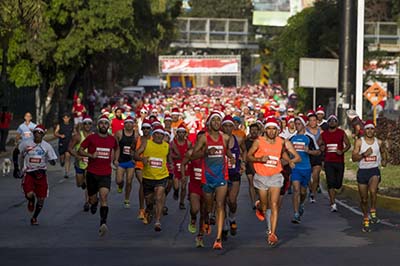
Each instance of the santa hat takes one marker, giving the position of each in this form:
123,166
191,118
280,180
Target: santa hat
154,110
155,123
103,118
128,107
257,107
260,122
119,108
290,109
227,119
196,107
129,119
175,111
105,111
167,132
332,117
272,122
167,117
181,127
310,113
158,129
290,118
146,123
212,115
144,110
87,119
40,128
369,124
320,110
303,119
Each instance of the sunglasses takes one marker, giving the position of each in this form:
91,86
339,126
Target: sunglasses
146,127
87,123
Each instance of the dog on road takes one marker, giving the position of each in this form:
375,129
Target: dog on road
6,166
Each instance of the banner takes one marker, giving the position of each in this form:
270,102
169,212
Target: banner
199,65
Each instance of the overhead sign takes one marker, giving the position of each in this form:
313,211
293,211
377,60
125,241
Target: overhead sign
383,67
319,73
199,65
375,94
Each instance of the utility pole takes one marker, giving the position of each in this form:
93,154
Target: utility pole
347,59
360,58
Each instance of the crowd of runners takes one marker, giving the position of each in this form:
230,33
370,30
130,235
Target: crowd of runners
199,144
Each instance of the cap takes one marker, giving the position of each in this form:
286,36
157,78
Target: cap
237,119
146,123
311,113
167,117
175,111
212,115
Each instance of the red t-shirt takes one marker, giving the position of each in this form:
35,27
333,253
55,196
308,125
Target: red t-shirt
78,109
104,147
116,124
333,142
7,120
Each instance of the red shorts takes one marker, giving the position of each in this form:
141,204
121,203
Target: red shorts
38,185
195,187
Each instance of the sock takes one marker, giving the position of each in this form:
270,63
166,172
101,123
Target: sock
39,206
268,218
103,214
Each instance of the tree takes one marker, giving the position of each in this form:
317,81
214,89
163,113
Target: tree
220,8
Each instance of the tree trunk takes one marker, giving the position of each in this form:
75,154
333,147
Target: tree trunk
4,47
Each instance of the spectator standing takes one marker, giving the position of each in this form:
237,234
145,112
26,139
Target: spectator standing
5,120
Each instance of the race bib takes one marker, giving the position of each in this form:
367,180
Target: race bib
35,160
215,151
197,173
126,150
230,165
155,162
370,159
272,162
331,147
178,167
103,153
85,159
299,146
27,134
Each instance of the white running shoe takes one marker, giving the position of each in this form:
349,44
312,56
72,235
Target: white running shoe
103,230
334,207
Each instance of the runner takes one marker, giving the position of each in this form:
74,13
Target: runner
64,132
265,153
102,149
117,123
369,152
253,135
305,145
24,132
146,131
36,153
212,146
334,142
235,170
156,155
316,161
196,198
322,123
126,139
81,162
179,146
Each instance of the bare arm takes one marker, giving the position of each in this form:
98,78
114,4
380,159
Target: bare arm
71,147
355,155
140,151
56,132
185,160
383,150
252,150
347,144
198,151
289,148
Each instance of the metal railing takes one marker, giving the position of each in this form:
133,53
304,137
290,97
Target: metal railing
214,33
386,35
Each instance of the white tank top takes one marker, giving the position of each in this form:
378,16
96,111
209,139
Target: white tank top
374,159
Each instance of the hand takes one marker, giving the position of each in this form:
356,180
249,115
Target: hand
94,155
292,164
383,163
211,151
306,149
232,160
264,159
145,160
62,136
116,163
368,152
339,152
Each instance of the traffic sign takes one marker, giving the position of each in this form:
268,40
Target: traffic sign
375,94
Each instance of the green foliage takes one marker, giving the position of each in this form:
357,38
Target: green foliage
220,8
25,74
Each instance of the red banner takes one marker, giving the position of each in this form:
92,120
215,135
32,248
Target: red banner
199,66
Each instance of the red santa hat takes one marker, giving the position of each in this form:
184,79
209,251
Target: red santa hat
290,109
272,122
181,127
227,119
332,117
167,117
175,111
40,128
103,118
146,123
320,110
212,115
196,107
289,118
369,124
310,113
105,111
87,119
158,129
303,119
155,123
129,119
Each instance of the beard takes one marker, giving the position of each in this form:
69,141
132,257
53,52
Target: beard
103,130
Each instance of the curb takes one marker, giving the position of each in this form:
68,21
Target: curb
384,202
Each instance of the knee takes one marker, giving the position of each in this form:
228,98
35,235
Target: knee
364,200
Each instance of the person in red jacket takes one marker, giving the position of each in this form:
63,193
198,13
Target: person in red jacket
5,120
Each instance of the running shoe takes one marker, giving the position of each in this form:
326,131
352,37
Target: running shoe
206,229
157,227
259,214
272,239
119,189
212,219
217,244
366,228
165,210
199,241
182,206
233,228
31,204
34,221
147,218
127,204
373,218
296,219
93,208
301,209
86,207
224,235
141,214
312,198
103,230
83,186
319,190
192,226
66,176
334,207
176,194
62,163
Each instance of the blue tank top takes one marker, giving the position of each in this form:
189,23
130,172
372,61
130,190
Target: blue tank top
300,142
316,136
215,166
235,150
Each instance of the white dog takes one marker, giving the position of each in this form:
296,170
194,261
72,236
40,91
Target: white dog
6,165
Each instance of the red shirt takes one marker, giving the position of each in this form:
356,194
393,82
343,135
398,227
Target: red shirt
78,109
333,142
116,124
7,120
104,147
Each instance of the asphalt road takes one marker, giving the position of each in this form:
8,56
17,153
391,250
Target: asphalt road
68,236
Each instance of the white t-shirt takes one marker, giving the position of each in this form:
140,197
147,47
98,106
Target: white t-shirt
36,155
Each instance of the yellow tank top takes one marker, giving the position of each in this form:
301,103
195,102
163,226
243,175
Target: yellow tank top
273,151
83,163
156,167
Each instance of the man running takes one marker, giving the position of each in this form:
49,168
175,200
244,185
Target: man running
155,156
102,149
238,150
36,153
179,146
126,166
334,142
81,162
266,153
369,152
253,135
64,132
212,147
305,145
